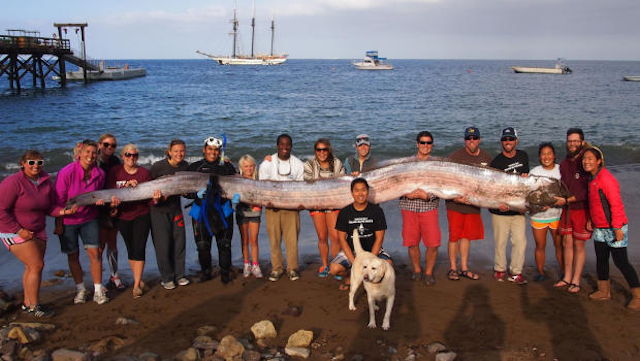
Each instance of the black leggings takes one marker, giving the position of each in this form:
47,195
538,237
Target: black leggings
135,234
620,259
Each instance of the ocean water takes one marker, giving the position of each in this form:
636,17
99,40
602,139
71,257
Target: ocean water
194,99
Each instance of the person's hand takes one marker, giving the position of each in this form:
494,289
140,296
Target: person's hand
526,175
236,199
157,194
25,234
301,207
619,234
100,202
269,205
70,211
355,174
560,201
268,158
131,183
463,200
417,194
115,202
504,207
201,193
589,226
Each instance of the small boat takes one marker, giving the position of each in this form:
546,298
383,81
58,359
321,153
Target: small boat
253,59
105,73
372,62
560,68
632,78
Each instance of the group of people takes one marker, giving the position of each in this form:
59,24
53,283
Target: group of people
27,197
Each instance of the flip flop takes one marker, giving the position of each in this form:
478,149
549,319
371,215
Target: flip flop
345,286
468,274
453,275
574,288
561,283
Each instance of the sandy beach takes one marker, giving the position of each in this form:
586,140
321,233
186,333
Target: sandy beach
479,320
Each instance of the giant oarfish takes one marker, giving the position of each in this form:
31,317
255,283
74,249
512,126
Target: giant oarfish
484,187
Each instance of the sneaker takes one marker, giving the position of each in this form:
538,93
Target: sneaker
168,285
293,275
256,271
81,297
183,281
246,271
117,283
40,312
519,279
275,275
100,298
499,276
323,271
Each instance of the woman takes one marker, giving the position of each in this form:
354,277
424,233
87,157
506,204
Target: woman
134,221
248,219
609,225
167,220
79,177
550,218
108,231
324,165
26,197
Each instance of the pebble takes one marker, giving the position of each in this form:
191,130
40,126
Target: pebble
205,343
297,351
301,338
264,329
148,356
436,347
445,356
251,355
190,354
126,321
64,354
206,330
35,325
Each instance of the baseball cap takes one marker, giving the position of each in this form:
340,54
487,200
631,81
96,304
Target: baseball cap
472,131
509,132
363,139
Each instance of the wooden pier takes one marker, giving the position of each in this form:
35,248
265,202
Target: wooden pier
24,53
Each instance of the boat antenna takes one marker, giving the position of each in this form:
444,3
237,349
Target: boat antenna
273,30
253,25
235,27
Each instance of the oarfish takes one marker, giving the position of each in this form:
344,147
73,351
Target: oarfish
484,187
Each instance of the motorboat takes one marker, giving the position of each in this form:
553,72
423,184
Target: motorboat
372,62
560,68
105,73
632,78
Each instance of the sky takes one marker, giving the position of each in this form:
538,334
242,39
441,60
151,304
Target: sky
345,29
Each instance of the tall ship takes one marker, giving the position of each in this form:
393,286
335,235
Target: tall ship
253,58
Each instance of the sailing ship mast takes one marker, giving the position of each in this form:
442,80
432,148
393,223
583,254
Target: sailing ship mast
273,30
253,25
235,27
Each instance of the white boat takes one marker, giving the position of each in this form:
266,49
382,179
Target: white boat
253,59
372,62
105,73
560,68
632,78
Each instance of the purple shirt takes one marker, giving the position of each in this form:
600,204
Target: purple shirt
23,204
70,183
576,179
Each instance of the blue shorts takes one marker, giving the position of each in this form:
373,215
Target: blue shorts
88,231
342,259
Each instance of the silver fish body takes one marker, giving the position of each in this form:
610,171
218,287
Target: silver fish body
484,187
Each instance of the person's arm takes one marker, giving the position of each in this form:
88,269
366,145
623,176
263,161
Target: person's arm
377,245
8,197
612,192
308,170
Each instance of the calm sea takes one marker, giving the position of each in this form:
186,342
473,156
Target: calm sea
194,99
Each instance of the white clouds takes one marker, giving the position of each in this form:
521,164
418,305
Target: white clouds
320,7
191,16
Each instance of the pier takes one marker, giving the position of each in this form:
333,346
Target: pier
25,54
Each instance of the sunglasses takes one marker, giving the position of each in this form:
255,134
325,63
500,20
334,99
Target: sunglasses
423,142
322,149
131,155
472,137
109,145
35,162
508,139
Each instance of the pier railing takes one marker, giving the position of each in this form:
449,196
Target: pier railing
29,44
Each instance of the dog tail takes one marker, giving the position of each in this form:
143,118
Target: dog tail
356,242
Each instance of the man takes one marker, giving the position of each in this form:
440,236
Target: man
362,160
573,222
283,166
420,219
505,221
369,219
219,225
465,223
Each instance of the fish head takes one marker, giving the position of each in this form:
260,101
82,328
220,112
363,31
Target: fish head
544,195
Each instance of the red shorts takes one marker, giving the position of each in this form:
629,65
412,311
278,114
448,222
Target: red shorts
467,226
420,225
576,225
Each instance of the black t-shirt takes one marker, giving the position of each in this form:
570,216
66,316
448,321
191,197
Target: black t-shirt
368,221
518,164
163,168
